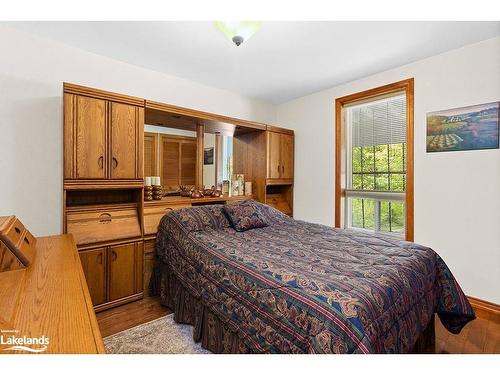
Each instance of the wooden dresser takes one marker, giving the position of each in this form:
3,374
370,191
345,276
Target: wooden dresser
50,299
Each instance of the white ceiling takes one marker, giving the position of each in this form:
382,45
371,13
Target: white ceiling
283,61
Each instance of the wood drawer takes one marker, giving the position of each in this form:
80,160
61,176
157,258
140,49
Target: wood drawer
153,215
103,224
18,239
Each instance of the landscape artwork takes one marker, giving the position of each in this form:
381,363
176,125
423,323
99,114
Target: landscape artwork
466,128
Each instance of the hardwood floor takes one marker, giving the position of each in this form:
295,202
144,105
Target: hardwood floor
130,315
479,336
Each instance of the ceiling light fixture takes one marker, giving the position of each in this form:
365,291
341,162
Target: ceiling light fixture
238,31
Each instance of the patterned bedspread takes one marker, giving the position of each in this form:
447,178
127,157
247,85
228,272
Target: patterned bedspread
297,287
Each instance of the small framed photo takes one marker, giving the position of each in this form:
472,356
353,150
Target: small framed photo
208,156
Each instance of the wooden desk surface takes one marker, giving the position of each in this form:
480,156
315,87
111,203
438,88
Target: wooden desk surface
50,298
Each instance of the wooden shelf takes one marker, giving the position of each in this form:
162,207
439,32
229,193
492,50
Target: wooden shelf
186,200
279,181
102,184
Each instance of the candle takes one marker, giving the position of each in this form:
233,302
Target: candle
147,181
156,181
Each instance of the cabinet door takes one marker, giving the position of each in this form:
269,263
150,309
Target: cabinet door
273,155
94,268
286,156
188,163
90,137
170,161
125,270
149,263
150,152
124,144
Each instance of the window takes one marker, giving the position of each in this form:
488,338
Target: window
374,180
227,157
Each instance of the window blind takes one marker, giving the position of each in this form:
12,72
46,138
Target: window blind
378,122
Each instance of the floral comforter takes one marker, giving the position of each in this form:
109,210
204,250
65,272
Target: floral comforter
297,287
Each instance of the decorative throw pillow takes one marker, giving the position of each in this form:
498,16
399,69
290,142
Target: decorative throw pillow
244,216
201,218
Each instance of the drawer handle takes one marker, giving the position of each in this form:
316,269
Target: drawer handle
26,240
114,256
99,258
18,231
105,218
100,161
115,162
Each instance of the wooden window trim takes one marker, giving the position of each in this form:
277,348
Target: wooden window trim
407,86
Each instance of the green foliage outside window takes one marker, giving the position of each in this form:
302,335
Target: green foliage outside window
378,168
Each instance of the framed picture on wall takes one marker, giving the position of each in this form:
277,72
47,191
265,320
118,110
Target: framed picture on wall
208,156
466,128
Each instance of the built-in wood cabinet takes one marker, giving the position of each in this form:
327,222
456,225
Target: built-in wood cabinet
127,127
125,261
113,272
103,173
103,139
103,223
94,268
273,155
287,153
280,149
85,153
106,156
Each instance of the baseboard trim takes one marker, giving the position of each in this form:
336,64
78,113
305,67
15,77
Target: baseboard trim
485,309
118,302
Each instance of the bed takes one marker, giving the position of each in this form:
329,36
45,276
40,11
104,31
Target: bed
298,287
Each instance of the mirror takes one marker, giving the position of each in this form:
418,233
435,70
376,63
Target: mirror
217,159
170,153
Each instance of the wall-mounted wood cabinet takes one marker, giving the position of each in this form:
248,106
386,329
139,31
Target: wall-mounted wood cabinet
114,273
280,150
103,139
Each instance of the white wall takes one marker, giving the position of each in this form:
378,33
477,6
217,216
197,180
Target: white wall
457,194
32,71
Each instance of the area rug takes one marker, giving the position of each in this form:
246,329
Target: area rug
160,336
